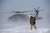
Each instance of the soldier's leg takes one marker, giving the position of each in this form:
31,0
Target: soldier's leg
35,26
31,27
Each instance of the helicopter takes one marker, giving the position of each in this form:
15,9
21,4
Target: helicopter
23,17
19,15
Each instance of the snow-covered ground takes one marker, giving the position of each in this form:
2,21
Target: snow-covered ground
25,29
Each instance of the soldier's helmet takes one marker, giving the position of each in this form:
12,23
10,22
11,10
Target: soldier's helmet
32,15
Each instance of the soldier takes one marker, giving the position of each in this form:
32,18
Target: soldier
32,21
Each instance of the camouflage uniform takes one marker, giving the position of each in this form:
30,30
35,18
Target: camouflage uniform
32,20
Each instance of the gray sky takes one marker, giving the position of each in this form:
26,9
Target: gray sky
9,5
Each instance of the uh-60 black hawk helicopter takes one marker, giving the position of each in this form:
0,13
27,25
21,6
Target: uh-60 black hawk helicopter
21,16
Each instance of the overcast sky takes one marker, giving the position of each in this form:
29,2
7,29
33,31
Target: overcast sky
9,5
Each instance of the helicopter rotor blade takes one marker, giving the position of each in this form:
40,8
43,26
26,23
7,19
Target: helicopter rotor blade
29,11
16,12
41,10
23,11
38,8
6,12
35,9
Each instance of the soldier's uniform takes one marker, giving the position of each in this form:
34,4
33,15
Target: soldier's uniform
32,21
